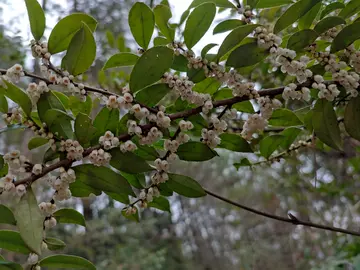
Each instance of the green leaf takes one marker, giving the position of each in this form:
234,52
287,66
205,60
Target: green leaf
159,41
346,37
36,142
4,265
106,120
30,220
142,23
132,217
306,21
160,203
59,123
330,8
290,134
122,125
84,130
81,51
46,102
218,3
54,243
77,106
6,215
244,106
64,99
272,3
327,23
293,13
66,261
11,240
185,186
269,144
128,162
244,162
3,104
284,118
207,48
150,67
302,39
110,38
184,16
50,155
234,38
146,152
352,118
165,190
81,189
136,180
235,143
195,151
152,94
350,9
208,86
119,197
325,124
65,29
102,178
198,23
196,75
180,63
71,216
227,25
162,16
36,18
121,60
18,96
246,55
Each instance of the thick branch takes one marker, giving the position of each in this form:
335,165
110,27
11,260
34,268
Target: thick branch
292,220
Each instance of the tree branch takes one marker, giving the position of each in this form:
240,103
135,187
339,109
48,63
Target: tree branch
292,220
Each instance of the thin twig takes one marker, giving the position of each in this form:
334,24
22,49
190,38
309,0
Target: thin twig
293,220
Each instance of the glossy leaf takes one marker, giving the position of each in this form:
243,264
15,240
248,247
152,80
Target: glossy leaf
246,55
64,99
244,162
218,3
272,3
5,265
198,23
284,118
346,37
153,94
77,106
289,136
6,215
36,142
36,18
133,217
160,203
302,39
142,23
207,48
106,120
121,60
54,243
150,67
147,152
327,23
46,102
84,130
3,104
18,96
30,221
234,142
71,216
128,162
65,29
269,144
330,8
185,186
352,118
12,241
325,124
227,25
196,75
136,180
306,21
244,106
59,123
162,16
66,261
234,38
159,41
195,151
102,178
208,86
351,8
81,51
293,13
180,63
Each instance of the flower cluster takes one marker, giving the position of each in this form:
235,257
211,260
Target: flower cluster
13,74
349,80
100,157
152,136
247,13
61,184
139,112
35,90
17,163
109,141
255,123
122,102
266,40
42,132
354,57
40,50
47,208
13,117
291,93
240,89
162,120
267,105
330,92
146,195
73,149
128,146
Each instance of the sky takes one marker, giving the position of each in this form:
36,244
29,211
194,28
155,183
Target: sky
17,9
